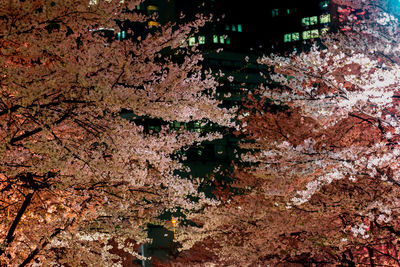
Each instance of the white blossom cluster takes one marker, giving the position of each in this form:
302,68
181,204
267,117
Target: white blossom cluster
360,229
385,18
315,185
380,212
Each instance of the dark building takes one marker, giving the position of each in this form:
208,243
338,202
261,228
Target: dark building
231,42
249,27
238,34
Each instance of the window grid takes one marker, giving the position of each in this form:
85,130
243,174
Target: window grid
291,37
325,18
310,34
309,21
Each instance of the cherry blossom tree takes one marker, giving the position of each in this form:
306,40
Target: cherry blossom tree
323,187
73,173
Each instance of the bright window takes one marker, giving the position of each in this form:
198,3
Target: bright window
233,28
192,41
215,38
152,23
228,40
305,21
287,37
310,34
313,20
306,35
152,8
291,37
275,12
202,39
239,27
221,39
295,36
326,18
309,21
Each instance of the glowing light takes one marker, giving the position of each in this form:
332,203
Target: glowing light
174,221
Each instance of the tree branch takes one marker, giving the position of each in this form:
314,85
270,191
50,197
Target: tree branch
10,235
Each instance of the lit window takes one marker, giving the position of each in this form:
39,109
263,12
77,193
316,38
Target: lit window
274,12
221,39
287,37
310,34
233,28
306,35
215,38
295,36
309,21
152,8
305,21
228,40
314,33
313,20
326,18
239,27
202,39
192,41
121,35
288,11
152,23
